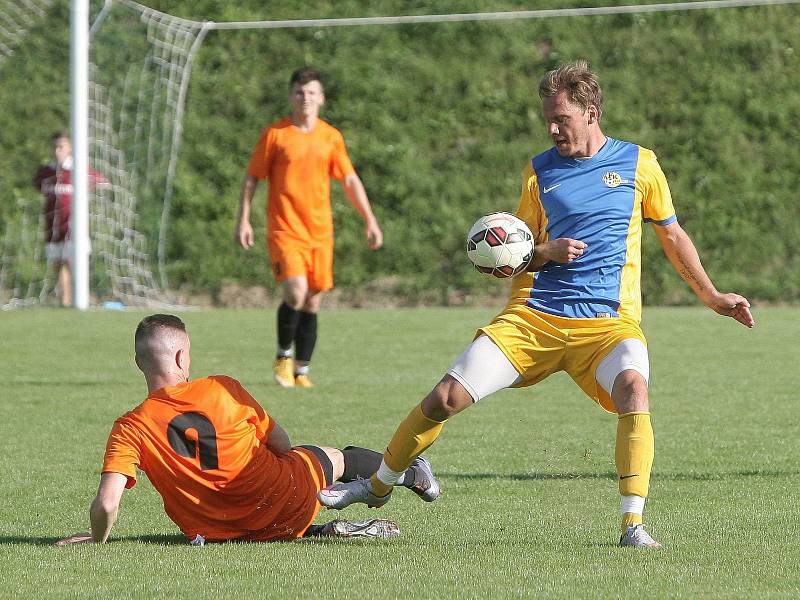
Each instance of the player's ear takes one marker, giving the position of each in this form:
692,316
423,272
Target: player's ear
592,114
182,360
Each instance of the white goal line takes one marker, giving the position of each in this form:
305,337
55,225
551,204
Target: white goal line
459,17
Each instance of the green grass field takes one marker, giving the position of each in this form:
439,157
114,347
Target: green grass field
530,503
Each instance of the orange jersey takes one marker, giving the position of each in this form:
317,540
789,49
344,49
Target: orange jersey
299,166
201,444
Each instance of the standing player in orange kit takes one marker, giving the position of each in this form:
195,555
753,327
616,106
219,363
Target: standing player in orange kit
299,155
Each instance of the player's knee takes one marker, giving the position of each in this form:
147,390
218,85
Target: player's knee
630,393
312,302
337,461
294,298
448,398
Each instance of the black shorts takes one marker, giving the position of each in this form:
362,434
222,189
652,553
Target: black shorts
327,465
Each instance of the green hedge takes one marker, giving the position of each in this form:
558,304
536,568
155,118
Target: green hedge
440,119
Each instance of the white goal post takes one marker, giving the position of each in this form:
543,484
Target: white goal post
79,106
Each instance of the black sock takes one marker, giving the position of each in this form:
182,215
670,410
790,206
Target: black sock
363,463
359,463
287,325
305,337
314,531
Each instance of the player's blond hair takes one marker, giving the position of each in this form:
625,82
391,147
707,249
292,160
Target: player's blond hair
578,81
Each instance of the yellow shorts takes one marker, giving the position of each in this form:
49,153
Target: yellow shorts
538,344
315,263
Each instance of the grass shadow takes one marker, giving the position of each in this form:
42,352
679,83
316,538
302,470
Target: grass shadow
604,545
160,540
174,539
662,476
28,541
180,540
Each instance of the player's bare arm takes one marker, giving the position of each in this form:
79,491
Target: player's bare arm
244,231
683,255
102,512
278,440
357,195
560,250
105,507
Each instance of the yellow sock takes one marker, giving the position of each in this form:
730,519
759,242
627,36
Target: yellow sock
634,453
629,519
413,436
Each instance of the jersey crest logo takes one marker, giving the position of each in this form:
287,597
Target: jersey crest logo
613,179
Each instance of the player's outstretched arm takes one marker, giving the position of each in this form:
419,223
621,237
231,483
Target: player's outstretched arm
103,511
682,253
354,189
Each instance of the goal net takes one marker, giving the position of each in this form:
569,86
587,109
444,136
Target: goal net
136,99
16,19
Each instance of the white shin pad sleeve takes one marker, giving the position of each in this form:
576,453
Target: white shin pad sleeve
483,369
628,354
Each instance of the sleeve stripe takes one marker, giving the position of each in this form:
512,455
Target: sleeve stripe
666,221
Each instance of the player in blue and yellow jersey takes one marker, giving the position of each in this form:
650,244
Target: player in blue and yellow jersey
579,306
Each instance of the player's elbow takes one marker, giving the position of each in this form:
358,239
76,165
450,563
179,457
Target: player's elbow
278,440
672,235
352,182
279,447
103,507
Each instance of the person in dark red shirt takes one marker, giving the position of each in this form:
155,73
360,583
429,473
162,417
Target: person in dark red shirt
54,181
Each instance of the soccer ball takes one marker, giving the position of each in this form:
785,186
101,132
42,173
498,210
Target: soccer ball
500,244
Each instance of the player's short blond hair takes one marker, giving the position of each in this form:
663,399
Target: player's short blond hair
578,81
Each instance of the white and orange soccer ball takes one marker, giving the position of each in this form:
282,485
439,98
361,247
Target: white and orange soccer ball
500,244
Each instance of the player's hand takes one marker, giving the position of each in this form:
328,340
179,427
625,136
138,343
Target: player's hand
244,234
733,305
76,538
374,235
564,250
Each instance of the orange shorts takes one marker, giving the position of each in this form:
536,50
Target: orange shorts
303,465
296,260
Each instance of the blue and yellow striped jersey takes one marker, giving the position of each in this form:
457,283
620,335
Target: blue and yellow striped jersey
602,201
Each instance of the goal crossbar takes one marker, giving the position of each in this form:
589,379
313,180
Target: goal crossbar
480,16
